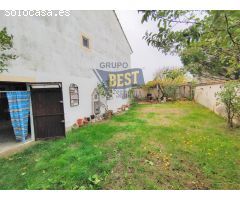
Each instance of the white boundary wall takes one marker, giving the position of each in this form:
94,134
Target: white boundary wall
206,95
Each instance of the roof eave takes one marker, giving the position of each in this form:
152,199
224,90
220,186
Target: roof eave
123,31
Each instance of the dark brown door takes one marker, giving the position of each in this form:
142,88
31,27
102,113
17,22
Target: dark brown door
48,113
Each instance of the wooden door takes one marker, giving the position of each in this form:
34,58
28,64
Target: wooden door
48,113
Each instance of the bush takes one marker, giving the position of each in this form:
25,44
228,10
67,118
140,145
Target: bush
171,91
229,96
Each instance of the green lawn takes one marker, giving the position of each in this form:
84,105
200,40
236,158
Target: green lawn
167,146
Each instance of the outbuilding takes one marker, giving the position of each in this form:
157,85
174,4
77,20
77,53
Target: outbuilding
53,74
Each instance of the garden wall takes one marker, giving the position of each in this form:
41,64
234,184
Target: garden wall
183,91
206,95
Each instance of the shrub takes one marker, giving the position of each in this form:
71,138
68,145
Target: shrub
229,96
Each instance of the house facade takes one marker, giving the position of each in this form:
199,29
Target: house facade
61,53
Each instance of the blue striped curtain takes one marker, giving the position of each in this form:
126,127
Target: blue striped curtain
19,107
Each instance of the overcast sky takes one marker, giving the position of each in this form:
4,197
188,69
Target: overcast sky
144,56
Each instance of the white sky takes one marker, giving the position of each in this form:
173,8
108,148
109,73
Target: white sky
144,56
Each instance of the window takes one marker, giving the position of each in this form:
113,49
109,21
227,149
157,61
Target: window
85,42
74,96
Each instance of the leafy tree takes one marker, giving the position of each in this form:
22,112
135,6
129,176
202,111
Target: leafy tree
229,96
171,73
6,44
208,42
104,90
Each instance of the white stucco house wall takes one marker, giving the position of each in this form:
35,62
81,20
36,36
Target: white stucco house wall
50,49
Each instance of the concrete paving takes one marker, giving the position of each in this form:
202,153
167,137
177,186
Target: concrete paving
8,143
12,147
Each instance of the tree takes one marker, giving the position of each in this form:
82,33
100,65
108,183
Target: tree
229,96
6,44
171,73
208,42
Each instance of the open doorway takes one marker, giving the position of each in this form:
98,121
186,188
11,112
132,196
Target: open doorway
7,135
6,129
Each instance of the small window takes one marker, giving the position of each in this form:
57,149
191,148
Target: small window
85,42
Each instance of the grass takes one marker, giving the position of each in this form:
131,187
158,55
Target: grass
166,146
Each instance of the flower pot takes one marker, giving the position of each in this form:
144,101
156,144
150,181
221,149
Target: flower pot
80,122
85,121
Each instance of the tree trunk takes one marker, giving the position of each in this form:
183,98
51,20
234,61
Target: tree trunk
230,119
162,91
236,75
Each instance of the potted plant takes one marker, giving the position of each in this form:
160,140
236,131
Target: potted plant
108,114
